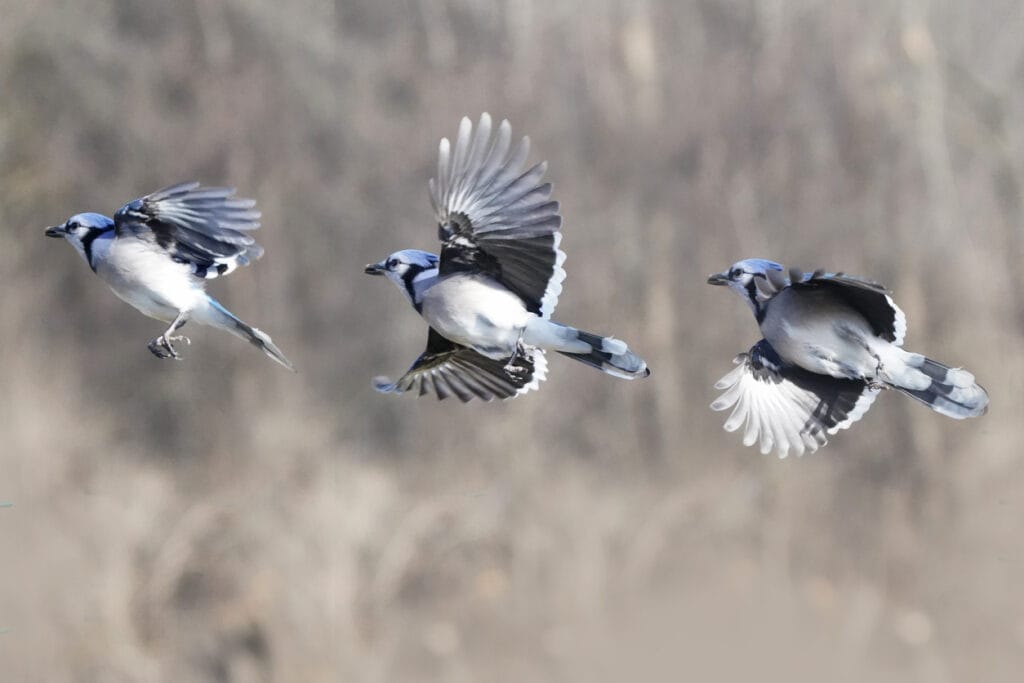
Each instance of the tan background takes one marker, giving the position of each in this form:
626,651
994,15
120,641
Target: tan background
219,519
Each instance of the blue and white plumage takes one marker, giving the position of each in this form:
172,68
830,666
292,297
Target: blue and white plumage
831,343
489,296
158,251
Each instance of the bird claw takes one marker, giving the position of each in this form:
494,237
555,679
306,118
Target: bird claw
514,370
161,346
875,383
511,368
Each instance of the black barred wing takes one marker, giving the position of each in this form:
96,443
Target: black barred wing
205,227
870,299
785,407
450,369
495,218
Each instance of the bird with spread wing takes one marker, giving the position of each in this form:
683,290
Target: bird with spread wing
489,296
158,252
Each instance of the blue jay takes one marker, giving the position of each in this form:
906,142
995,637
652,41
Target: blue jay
831,343
489,296
158,252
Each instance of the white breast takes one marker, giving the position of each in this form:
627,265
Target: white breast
148,279
476,312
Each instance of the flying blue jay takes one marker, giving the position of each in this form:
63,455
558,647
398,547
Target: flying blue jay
831,343
158,252
488,298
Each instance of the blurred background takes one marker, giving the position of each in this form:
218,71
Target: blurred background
220,519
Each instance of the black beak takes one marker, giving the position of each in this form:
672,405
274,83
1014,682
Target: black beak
718,279
374,269
56,231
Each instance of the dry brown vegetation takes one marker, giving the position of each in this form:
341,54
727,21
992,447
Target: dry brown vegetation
219,519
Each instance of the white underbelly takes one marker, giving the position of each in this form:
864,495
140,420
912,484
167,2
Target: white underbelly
149,280
476,312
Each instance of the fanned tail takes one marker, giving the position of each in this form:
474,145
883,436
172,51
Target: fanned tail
950,391
607,354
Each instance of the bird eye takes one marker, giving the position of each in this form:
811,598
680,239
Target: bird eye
392,262
735,274
72,226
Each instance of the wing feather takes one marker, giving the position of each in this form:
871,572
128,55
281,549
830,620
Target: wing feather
205,227
446,369
496,218
870,299
785,408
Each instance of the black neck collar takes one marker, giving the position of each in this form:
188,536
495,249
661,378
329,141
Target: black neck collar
759,307
410,287
87,241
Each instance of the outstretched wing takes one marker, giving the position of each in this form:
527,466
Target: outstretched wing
785,407
204,227
495,218
870,299
447,369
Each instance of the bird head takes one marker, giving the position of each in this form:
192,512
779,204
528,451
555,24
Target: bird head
741,277
79,228
404,267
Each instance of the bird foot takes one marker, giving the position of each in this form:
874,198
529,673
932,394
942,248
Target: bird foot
511,368
879,370
514,370
161,347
